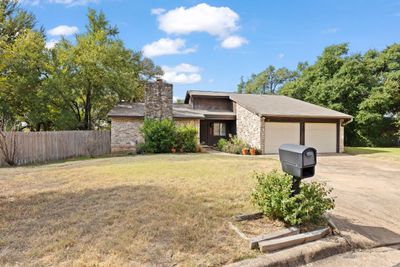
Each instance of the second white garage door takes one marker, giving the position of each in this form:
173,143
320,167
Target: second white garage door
321,136
278,133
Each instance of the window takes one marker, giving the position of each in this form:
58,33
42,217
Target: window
219,129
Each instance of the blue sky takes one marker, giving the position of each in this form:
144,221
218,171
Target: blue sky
208,45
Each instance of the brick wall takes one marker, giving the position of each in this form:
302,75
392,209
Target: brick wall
249,127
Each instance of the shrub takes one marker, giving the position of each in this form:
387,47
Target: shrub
272,195
186,138
159,135
222,143
234,145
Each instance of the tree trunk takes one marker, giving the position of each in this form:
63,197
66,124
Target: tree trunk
88,110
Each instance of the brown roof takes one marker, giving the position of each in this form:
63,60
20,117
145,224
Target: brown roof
283,106
275,105
137,110
262,105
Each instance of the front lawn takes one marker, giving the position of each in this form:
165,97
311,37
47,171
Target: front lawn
138,210
392,153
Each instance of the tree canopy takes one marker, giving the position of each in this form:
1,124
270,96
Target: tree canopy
70,86
366,86
266,82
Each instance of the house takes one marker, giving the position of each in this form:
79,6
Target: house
263,121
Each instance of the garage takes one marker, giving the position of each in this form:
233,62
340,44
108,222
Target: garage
284,120
278,133
321,136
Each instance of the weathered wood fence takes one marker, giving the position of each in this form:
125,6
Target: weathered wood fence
36,147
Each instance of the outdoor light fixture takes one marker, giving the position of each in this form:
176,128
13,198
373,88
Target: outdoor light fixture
298,161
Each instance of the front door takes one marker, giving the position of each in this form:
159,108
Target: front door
213,130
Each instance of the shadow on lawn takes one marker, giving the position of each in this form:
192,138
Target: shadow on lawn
122,225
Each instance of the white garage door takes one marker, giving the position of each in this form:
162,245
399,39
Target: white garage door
321,136
278,133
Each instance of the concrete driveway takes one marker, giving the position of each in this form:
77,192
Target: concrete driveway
367,193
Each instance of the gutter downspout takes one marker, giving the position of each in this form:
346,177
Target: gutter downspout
347,122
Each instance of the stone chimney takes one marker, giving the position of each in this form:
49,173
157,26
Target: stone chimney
158,100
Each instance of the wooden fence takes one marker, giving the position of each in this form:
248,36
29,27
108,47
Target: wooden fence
36,147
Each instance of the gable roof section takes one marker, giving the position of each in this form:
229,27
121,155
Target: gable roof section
136,110
191,93
283,106
274,105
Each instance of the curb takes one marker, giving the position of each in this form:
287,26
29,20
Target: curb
298,255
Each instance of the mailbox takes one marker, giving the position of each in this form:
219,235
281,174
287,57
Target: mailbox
297,160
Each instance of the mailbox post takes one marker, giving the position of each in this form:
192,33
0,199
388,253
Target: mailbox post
298,161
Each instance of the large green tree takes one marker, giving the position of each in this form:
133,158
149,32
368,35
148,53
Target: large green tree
266,82
379,115
93,73
363,86
23,63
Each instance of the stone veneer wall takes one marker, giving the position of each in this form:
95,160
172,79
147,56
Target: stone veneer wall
158,100
249,127
194,122
125,134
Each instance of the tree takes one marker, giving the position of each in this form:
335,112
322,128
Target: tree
267,81
13,20
95,73
22,67
379,114
364,86
241,86
8,146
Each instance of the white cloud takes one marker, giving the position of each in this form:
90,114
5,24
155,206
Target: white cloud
183,73
166,46
183,67
220,22
51,43
281,55
217,21
233,41
64,30
157,11
183,78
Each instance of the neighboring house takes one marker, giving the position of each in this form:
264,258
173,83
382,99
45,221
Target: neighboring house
263,121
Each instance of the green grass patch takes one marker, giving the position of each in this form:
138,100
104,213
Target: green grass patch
377,152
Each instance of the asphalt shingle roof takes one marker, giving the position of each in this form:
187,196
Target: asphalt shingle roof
137,110
276,105
263,105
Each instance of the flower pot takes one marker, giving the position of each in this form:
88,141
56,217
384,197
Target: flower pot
245,151
253,151
173,150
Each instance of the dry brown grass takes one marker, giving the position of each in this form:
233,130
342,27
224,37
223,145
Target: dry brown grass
127,211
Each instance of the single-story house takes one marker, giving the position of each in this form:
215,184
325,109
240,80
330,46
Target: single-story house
263,121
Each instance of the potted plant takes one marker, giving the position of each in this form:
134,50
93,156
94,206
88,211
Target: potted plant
173,150
245,151
253,151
